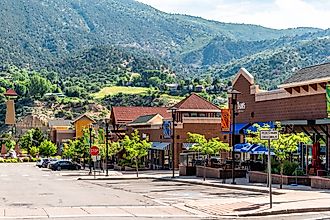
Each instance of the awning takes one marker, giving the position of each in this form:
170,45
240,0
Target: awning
254,129
160,146
187,146
239,147
239,128
261,150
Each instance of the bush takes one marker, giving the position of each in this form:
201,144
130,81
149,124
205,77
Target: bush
25,159
289,168
34,151
34,159
2,160
12,160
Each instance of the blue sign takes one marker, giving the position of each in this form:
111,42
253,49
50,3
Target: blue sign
167,132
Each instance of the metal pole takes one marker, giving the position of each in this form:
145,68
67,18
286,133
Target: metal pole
233,142
270,176
107,147
173,142
90,146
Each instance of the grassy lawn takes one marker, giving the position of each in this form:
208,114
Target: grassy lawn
113,90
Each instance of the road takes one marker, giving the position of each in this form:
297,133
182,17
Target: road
30,192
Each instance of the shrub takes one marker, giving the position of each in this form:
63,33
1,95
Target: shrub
34,151
34,159
289,168
2,160
25,159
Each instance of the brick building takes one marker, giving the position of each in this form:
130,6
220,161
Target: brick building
194,114
300,104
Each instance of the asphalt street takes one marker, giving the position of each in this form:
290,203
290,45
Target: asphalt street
29,192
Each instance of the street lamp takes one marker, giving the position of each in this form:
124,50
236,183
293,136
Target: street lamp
107,137
232,94
173,110
90,146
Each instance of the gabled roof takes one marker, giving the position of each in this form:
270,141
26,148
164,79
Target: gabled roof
196,102
243,72
310,73
145,119
59,123
82,116
124,115
10,92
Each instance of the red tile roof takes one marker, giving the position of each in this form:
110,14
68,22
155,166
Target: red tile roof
10,92
124,115
196,102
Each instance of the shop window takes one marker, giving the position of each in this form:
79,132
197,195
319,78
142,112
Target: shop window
202,115
193,114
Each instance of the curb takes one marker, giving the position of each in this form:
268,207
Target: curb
226,186
281,212
118,178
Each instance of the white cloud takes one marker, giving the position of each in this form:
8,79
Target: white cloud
268,13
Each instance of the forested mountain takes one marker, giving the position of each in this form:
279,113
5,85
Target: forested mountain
87,36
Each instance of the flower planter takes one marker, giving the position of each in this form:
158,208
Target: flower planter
187,171
261,177
219,173
320,182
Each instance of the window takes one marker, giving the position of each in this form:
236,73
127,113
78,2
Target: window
202,115
193,114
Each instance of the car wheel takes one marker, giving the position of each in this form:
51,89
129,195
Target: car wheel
58,168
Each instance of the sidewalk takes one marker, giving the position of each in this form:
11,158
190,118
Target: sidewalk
290,199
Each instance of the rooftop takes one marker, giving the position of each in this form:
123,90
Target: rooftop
59,123
196,102
123,114
310,73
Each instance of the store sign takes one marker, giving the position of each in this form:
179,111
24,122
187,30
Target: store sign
167,129
241,106
225,119
268,135
328,99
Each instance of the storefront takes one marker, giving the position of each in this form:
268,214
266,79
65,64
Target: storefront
300,104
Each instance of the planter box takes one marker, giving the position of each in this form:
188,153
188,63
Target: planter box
118,168
320,182
261,177
187,171
219,173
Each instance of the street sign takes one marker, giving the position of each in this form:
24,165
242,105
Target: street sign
94,151
268,135
95,158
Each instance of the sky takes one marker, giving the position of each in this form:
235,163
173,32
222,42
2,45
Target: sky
277,14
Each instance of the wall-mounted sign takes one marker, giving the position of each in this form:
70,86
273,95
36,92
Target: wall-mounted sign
241,106
167,129
225,119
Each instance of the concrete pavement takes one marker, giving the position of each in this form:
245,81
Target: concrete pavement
290,199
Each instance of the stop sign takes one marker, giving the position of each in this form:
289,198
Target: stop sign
95,151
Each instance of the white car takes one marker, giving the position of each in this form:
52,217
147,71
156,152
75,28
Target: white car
40,162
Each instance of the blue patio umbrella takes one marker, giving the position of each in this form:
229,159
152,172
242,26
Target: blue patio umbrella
261,150
239,147
248,148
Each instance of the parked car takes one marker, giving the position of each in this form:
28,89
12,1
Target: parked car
65,165
41,161
49,160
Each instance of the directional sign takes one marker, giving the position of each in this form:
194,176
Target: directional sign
95,151
268,135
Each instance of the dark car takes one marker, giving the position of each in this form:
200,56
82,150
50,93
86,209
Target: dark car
65,165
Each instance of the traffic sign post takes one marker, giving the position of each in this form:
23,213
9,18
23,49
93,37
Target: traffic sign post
94,151
94,154
269,135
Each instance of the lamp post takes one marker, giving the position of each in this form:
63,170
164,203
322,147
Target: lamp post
173,110
232,94
90,146
107,137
